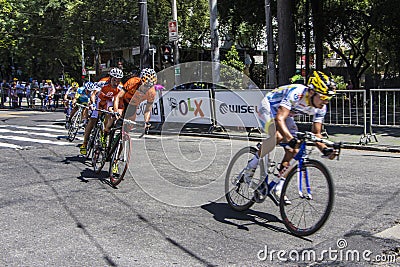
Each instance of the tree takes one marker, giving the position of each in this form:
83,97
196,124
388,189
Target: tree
349,34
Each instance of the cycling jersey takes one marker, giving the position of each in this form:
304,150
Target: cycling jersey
71,92
81,96
107,92
294,97
130,87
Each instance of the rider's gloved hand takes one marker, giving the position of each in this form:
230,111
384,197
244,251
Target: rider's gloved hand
147,125
93,106
329,152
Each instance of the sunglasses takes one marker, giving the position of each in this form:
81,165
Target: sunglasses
325,97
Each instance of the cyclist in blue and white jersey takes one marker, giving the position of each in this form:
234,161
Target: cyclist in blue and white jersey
82,97
276,113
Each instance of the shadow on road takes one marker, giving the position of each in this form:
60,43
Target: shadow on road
77,158
88,174
223,213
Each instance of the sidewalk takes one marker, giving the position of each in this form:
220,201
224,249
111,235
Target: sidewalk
382,138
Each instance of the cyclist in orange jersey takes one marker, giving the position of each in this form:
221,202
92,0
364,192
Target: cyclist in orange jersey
137,90
103,98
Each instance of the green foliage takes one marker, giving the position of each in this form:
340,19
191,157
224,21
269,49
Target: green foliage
232,70
340,83
233,59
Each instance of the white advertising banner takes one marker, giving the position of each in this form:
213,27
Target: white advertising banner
238,107
187,106
155,113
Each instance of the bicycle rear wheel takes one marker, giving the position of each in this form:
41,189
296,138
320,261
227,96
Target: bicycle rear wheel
307,212
99,156
120,160
237,192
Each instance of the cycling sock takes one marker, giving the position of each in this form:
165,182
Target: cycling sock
279,185
253,162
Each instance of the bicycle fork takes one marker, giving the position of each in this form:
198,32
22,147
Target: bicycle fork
303,173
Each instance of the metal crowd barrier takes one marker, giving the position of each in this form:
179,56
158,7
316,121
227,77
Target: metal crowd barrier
360,108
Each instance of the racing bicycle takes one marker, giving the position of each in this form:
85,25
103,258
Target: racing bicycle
308,187
76,122
117,151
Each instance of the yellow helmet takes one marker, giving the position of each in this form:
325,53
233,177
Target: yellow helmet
322,83
75,84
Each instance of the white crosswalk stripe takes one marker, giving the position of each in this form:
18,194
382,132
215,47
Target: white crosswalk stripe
20,137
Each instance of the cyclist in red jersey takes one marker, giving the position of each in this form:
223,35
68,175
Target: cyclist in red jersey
103,99
137,90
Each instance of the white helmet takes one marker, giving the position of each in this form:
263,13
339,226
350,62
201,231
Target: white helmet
117,73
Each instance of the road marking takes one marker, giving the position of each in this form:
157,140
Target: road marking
33,140
10,145
33,128
38,134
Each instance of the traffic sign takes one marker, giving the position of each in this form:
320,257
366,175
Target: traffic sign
173,30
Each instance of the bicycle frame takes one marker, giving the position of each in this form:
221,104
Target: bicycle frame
300,157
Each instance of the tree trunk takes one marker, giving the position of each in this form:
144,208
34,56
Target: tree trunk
286,41
318,25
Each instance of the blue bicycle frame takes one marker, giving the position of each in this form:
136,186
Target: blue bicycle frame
300,158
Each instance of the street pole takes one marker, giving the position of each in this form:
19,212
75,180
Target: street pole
83,57
307,39
214,41
175,18
144,34
270,79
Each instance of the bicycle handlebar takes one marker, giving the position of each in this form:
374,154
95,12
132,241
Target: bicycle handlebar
309,136
105,111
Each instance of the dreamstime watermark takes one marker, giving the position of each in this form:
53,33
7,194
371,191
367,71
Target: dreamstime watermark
339,253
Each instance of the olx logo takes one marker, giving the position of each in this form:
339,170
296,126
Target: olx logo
184,107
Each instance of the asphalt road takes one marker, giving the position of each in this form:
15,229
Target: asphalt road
170,209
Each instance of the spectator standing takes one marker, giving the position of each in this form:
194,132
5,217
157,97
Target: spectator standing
28,94
20,89
4,89
13,95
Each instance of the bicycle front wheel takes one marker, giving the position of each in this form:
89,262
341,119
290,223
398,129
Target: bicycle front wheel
311,193
74,127
238,193
120,160
94,135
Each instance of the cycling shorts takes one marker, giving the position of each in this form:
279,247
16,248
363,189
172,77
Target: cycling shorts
266,118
